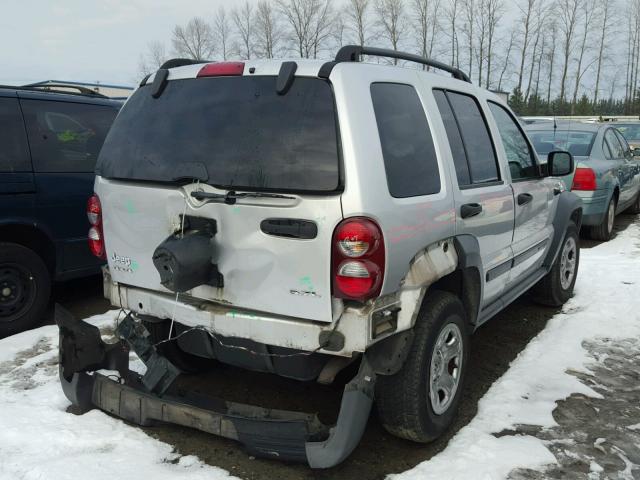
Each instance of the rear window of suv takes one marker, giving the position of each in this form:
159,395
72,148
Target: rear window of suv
232,132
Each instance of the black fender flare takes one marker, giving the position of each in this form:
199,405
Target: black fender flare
569,209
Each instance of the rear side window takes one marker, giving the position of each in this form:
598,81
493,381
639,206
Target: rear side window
407,147
14,151
465,125
614,144
66,137
231,132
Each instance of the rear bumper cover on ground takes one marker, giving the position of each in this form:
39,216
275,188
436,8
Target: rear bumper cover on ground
285,435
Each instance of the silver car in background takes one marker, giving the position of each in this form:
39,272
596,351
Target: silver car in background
607,179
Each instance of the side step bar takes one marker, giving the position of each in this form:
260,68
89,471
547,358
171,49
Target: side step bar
269,433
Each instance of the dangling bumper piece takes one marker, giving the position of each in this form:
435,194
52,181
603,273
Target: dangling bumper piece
149,399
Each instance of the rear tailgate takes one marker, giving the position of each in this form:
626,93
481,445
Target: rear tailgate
279,275
220,135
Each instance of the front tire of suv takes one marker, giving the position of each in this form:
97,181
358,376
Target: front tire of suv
604,231
557,286
420,401
25,288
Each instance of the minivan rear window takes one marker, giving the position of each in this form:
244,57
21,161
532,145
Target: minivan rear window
230,132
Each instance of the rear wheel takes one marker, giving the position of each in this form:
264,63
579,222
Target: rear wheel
557,286
187,362
421,400
25,288
603,231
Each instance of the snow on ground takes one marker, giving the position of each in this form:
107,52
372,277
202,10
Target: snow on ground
40,440
604,311
531,421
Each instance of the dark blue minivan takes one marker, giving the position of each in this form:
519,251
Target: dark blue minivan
49,143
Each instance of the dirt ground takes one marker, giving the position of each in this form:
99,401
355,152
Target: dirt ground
493,346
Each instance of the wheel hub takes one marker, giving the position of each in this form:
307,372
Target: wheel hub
446,368
568,262
16,291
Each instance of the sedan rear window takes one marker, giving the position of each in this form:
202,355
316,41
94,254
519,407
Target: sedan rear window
231,132
576,142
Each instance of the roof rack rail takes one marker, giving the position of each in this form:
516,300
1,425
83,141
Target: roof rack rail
352,53
61,88
181,62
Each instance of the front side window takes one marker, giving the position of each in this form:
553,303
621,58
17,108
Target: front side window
522,163
14,152
66,137
614,145
410,158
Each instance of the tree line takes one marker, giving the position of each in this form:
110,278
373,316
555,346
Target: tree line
578,57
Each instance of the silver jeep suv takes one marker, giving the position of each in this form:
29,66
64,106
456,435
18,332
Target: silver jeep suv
298,217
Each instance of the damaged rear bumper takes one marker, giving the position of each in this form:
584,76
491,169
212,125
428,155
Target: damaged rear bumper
280,434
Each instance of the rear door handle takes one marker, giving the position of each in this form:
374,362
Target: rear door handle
524,198
470,210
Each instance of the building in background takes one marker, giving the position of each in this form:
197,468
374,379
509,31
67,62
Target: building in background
121,92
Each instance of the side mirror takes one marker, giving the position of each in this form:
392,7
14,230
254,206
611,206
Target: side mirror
559,164
636,152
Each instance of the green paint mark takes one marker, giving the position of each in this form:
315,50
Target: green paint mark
235,210
129,206
307,283
134,265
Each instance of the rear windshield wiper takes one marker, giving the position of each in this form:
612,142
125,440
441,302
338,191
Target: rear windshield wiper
231,197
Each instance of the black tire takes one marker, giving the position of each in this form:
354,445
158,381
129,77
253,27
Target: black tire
552,290
25,288
403,400
604,231
186,362
635,207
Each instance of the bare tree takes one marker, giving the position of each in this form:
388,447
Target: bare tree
452,16
551,56
391,20
194,40
222,32
605,19
495,11
425,14
155,56
526,20
243,20
538,24
309,22
588,15
567,13
358,19
267,30
469,14
507,58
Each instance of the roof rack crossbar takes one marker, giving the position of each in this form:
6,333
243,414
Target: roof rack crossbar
61,88
352,53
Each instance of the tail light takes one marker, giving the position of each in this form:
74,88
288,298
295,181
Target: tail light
96,235
584,179
222,69
357,259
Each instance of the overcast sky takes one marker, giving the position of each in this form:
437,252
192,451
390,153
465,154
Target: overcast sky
87,40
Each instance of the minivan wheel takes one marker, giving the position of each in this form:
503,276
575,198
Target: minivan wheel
603,231
187,362
421,400
25,287
557,286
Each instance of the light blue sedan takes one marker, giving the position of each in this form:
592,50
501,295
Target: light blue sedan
606,177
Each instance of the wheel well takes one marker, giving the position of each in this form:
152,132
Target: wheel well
32,238
616,193
576,217
466,284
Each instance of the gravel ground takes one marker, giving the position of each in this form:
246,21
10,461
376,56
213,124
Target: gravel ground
494,346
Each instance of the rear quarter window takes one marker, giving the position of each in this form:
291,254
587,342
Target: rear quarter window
66,137
409,155
14,151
